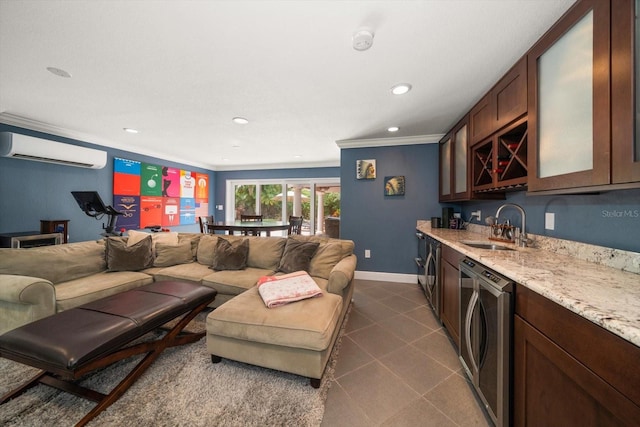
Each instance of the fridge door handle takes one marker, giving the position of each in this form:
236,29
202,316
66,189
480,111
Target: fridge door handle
427,264
467,329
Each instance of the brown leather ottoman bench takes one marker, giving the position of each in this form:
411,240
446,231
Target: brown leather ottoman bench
72,343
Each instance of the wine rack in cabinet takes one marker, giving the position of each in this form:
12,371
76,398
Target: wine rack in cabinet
500,162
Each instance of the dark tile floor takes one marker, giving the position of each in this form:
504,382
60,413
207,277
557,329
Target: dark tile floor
396,365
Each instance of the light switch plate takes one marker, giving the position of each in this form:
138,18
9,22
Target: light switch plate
549,221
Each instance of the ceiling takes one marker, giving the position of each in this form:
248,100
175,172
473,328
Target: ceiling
179,71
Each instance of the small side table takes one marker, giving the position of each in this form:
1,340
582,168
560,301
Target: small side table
56,226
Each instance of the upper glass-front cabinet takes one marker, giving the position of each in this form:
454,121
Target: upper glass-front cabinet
460,162
583,103
445,168
454,181
625,96
565,102
569,101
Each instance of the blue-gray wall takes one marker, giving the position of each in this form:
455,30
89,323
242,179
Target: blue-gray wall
386,225
31,191
610,219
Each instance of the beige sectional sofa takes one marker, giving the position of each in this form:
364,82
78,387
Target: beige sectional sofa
39,282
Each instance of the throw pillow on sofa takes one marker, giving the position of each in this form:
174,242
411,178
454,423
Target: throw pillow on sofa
325,258
121,257
206,249
231,255
168,255
297,256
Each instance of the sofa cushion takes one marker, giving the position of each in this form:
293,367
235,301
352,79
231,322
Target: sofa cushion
346,245
297,256
265,251
193,272
168,255
81,291
325,258
230,255
124,257
57,263
307,324
234,282
168,238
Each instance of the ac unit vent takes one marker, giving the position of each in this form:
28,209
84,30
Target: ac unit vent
25,147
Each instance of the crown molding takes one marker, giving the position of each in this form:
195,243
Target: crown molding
38,126
385,142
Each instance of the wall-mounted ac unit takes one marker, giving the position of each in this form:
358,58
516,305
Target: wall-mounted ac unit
20,146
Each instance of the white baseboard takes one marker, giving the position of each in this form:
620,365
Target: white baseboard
386,277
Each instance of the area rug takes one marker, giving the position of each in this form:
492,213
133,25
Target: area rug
182,388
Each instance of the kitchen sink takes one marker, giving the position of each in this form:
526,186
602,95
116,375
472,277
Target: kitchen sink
487,245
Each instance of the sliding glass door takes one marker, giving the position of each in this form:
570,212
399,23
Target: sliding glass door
317,201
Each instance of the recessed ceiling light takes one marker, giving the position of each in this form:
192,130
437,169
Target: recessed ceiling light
401,88
393,129
130,130
59,72
297,156
240,120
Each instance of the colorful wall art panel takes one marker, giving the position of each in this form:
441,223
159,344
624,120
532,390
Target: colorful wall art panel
151,195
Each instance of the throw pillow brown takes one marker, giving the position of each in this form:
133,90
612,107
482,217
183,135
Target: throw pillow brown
121,257
168,255
230,255
297,256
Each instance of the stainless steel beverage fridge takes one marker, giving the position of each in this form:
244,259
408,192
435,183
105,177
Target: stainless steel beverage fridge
486,318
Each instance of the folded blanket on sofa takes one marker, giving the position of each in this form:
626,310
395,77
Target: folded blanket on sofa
279,290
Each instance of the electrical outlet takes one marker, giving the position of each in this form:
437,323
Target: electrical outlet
549,221
220,207
477,214
367,253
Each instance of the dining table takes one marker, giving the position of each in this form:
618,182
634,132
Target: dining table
253,228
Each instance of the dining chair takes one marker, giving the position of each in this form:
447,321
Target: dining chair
251,218
295,225
204,221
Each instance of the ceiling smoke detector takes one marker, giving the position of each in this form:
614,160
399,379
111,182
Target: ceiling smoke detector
362,40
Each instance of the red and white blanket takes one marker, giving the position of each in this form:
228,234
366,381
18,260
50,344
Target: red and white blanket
280,290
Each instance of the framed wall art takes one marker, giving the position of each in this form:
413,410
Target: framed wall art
394,185
366,169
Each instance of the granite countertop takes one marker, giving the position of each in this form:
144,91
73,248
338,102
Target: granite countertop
604,295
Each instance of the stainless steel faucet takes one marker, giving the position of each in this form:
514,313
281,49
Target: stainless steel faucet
521,237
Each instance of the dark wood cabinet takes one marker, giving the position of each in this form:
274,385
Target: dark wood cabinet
454,176
625,96
500,163
56,226
510,94
450,276
482,119
455,171
506,102
569,371
590,143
